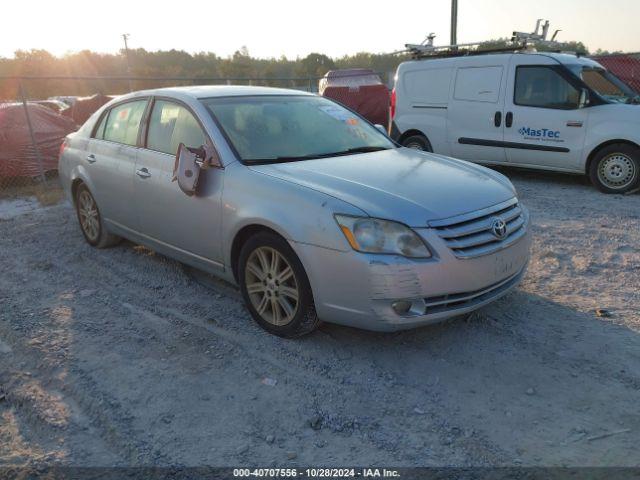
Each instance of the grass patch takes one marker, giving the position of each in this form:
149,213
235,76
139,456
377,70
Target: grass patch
47,193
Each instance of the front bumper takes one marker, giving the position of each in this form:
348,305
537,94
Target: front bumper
358,290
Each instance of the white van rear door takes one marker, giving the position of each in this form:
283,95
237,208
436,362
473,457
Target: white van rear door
544,126
475,127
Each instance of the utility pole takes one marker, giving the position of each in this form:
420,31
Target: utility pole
454,22
125,37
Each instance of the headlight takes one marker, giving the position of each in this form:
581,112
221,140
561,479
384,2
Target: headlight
371,235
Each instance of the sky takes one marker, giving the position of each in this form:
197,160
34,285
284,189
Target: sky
297,28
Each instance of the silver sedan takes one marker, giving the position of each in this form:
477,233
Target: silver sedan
315,213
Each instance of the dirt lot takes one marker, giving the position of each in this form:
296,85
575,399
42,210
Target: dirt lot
118,357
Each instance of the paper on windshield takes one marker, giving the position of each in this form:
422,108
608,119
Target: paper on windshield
340,114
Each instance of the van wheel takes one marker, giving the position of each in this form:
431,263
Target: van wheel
275,287
91,221
616,168
417,142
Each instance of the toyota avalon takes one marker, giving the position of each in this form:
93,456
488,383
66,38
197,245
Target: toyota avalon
313,212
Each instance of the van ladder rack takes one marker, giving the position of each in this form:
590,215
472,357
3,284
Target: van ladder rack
461,50
519,41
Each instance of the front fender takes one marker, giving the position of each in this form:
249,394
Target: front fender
297,213
612,123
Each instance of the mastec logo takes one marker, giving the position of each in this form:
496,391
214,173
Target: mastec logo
539,133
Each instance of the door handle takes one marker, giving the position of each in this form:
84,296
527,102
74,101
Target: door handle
91,158
497,119
508,120
143,173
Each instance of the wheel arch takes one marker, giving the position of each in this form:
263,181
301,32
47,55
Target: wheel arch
75,184
602,145
411,132
79,175
241,237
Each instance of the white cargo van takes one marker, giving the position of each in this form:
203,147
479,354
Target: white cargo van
537,110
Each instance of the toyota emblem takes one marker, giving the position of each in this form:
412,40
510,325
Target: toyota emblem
499,228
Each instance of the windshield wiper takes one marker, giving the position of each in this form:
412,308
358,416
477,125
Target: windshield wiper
363,150
350,151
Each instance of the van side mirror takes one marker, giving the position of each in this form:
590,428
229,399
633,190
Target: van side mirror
584,98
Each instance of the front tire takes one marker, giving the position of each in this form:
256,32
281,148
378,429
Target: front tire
90,220
275,287
417,142
616,168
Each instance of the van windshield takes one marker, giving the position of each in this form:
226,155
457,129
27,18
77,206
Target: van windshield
285,128
606,84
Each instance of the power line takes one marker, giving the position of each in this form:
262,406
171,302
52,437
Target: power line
125,37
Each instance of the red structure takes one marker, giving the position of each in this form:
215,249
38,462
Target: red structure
360,90
18,157
624,66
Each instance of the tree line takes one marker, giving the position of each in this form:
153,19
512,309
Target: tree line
240,67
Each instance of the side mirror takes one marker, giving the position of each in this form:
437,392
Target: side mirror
189,163
584,98
381,128
186,170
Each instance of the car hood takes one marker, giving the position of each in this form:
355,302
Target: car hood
620,111
402,184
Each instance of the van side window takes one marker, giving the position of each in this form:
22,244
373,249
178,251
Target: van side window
123,122
544,87
478,84
429,86
170,125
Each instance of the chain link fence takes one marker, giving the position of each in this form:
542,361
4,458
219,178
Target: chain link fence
625,66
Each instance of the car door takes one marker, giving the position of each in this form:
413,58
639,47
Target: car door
111,160
190,225
544,124
475,124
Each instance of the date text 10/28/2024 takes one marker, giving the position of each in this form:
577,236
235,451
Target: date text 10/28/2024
316,472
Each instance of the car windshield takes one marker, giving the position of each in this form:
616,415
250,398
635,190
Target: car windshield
607,85
281,128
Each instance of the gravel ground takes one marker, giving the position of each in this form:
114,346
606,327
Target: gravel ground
118,357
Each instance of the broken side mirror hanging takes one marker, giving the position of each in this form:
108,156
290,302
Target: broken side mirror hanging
189,162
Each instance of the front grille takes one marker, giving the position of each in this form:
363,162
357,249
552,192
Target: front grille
445,303
471,235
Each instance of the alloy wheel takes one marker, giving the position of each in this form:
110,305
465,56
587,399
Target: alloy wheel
88,213
272,286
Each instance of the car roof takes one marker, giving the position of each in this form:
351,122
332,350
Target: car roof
209,91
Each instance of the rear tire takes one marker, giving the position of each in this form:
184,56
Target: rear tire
275,287
90,220
417,142
616,168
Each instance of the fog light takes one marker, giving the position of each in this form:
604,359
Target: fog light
402,307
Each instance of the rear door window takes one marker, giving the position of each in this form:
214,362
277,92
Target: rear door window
172,124
123,122
99,132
